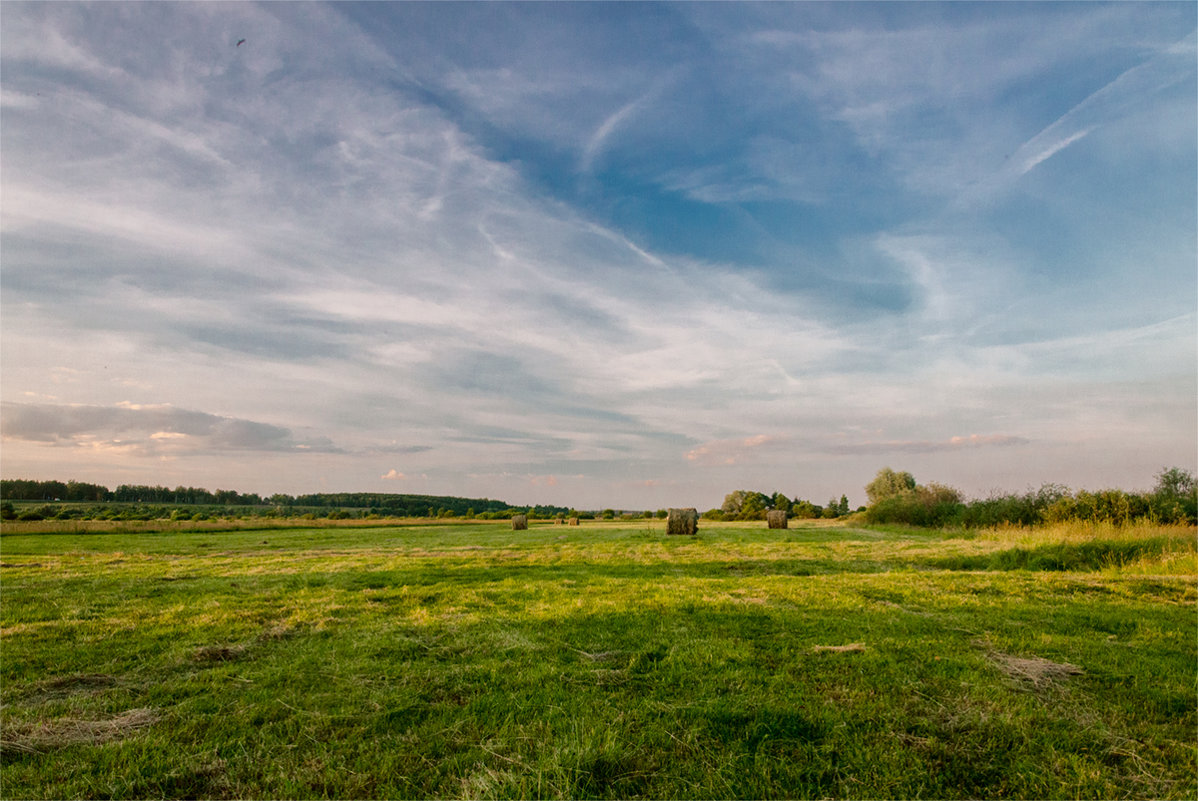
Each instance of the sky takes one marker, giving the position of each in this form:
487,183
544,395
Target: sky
627,255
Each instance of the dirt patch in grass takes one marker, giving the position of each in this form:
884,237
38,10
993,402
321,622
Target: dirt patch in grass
279,631
1034,670
75,683
62,732
218,653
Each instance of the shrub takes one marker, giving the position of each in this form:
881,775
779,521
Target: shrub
934,505
1174,499
806,510
889,484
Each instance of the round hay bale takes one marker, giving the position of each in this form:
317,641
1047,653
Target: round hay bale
776,518
682,522
519,522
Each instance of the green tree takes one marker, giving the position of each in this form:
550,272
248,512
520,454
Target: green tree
733,502
754,507
1174,482
888,484
832,509
1175,497
805,510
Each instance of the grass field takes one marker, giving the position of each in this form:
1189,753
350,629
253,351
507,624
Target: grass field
468,660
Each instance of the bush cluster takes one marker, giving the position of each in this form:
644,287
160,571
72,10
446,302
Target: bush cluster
1174,499
752,505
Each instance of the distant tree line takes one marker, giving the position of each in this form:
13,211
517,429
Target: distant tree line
75,491
155,502
22,490
895,497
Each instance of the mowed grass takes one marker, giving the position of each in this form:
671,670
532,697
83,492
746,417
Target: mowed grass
607,660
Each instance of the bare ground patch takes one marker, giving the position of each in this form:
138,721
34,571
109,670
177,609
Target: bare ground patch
76,683
218,653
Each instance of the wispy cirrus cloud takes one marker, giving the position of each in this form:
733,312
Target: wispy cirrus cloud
1136,89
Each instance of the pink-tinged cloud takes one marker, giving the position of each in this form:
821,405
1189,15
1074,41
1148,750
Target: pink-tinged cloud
543,481
393,475
729,451
930,446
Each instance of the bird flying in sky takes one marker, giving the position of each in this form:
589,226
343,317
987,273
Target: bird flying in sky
240,42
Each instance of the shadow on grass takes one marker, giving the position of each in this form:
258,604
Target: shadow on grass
582,574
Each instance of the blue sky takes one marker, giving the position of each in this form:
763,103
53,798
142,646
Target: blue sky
603,254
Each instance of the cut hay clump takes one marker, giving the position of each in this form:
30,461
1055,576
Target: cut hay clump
682,521
519,522
573,521
776,518
850,648
62,732
1034,670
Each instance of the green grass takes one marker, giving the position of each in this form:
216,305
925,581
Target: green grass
607,660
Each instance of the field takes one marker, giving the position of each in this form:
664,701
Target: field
608,660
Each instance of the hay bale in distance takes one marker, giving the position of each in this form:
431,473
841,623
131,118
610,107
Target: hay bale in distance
682,521
573,521
776,518
519,522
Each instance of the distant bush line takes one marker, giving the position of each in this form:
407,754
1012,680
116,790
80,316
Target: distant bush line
1173,500
894,497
